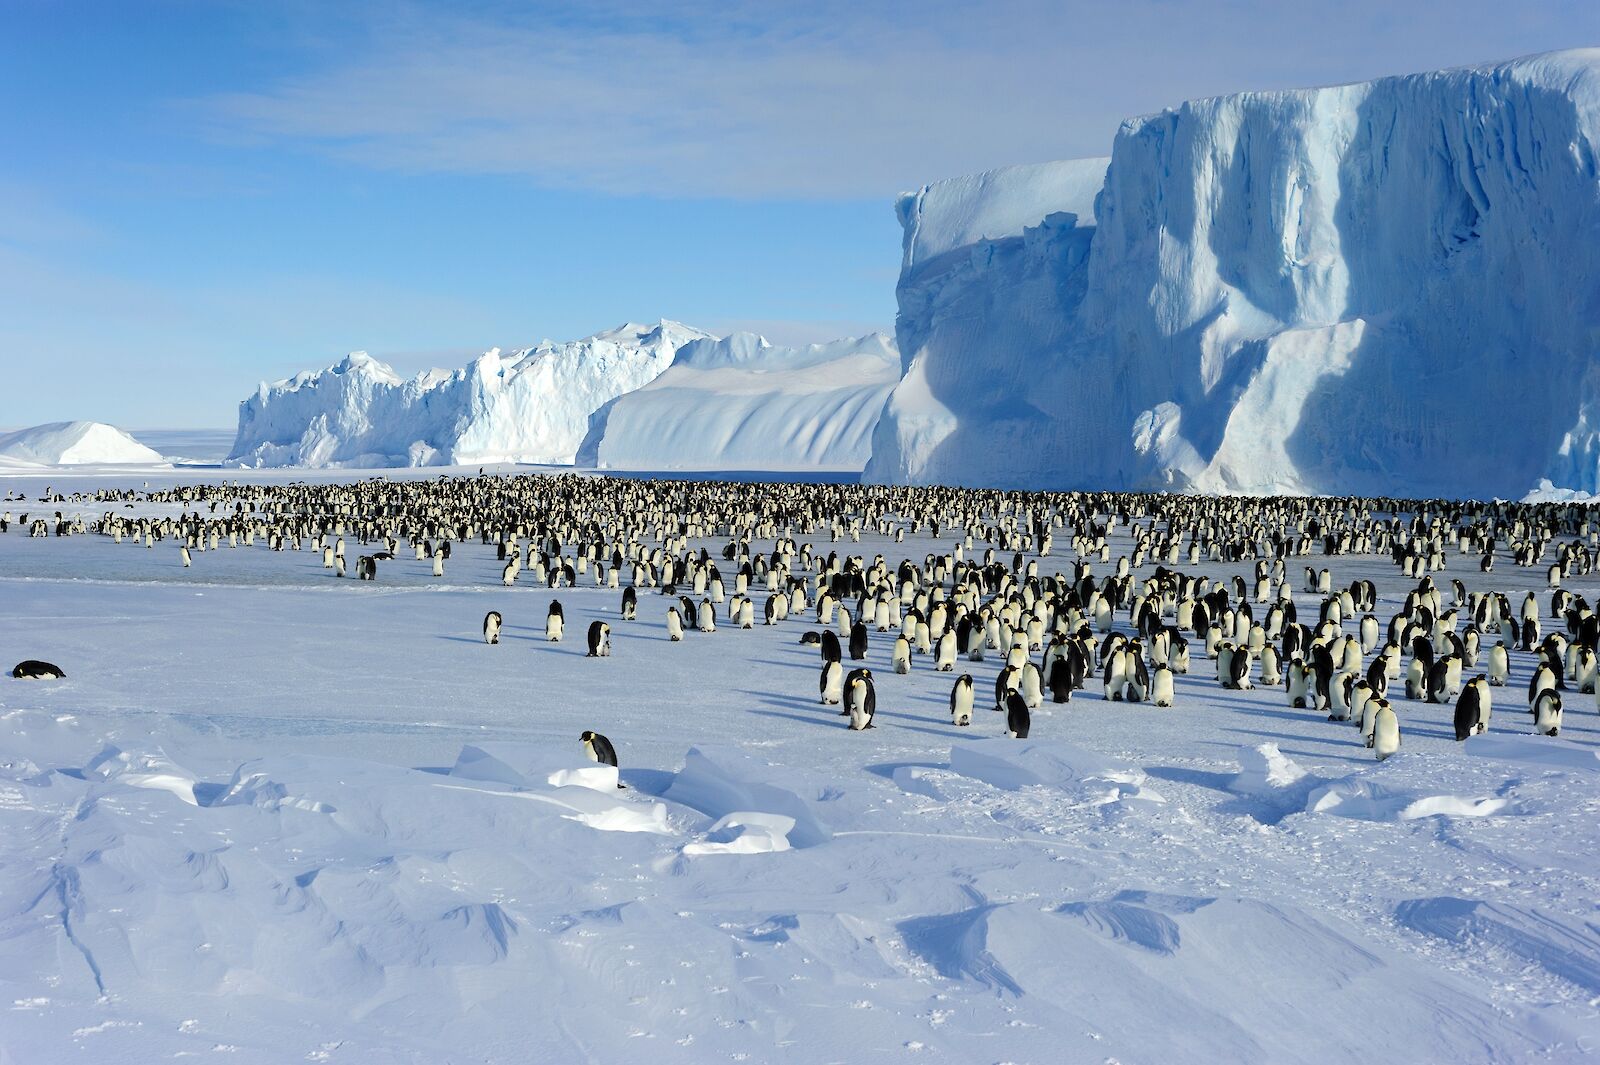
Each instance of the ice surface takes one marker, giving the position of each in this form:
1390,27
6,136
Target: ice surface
1322,290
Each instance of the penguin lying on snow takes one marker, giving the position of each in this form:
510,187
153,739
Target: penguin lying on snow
33,669
599,749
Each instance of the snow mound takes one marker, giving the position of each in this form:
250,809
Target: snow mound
740,403
749,806
528,406
75,444
1366,799
1569,950
1257,274
1011,765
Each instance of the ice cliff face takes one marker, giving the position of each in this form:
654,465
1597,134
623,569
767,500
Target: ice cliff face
1382,287
740,403
526,406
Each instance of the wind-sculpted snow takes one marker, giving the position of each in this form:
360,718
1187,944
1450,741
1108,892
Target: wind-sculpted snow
1344,289
523,406
740,403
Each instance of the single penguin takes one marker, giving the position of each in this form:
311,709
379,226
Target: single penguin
1161,686
1385,731
1018,720
830,646
944,660
674,624
861,699
599,749
961,701
1472,709
599,640
554,619
630,604
1547,713
901,656
491,627
858,641
33,669
831,683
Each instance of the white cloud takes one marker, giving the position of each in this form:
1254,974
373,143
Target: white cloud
828,100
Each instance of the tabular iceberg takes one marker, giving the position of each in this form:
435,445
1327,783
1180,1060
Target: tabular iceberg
526,406
1382,287
740,403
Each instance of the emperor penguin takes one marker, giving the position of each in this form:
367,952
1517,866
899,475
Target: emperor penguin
1472,709
1499,665
1297,683
1547,713
861,700
1018,720
961,701
674,624
708,616
553,622
831,683
1239,669
630,604
945,655
747,613
491,627
599,640
1029,687
1224,656
1271,670
183,553
599,749
829,646
858,641
901,655
33,669
1161,686
1385,731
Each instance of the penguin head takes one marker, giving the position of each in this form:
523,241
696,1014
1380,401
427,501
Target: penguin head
587,737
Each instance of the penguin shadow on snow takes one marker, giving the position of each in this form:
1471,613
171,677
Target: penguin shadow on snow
832,719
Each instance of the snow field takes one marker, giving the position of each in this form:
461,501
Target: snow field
278,816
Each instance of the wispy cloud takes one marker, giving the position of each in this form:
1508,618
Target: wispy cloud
821,100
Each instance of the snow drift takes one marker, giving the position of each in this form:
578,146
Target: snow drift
1324,290
740,403
75,444
525,406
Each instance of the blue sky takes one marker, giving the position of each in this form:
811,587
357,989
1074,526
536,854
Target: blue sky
198,196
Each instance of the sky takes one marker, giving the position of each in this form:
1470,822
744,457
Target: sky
196,197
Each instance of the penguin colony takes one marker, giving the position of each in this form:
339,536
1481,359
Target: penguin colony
1056,634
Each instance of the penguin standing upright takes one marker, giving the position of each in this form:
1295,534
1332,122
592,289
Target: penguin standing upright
1385,730
599,640
831,683
1547,713
1472,709
554,619
1161,686
599,749
674,624
828,645
1018,720
183,553
961,701
491,627
1499,665
630,604
858,641
901,656
861,699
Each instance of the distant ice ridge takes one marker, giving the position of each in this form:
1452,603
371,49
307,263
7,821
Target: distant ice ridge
1381,287
741,403
74,444
526,406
